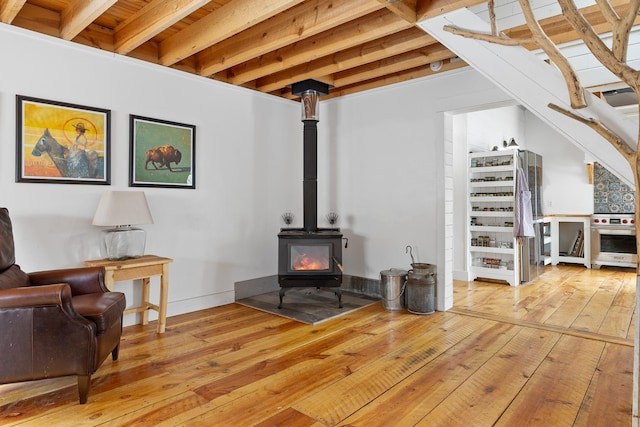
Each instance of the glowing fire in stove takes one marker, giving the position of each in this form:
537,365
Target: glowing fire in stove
305,262
311,258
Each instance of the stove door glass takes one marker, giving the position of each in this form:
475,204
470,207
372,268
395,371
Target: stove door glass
310,257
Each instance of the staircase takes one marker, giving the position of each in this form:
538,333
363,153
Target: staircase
534,83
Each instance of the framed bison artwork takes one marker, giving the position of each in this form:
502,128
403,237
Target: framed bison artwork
163,153
61,143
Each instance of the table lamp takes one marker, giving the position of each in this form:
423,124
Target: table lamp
122,210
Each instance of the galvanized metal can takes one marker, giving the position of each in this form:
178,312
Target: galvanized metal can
421,288
393,283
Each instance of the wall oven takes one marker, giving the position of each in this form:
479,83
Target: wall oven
613,240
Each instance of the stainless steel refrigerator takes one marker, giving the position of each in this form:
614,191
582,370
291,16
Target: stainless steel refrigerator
532,249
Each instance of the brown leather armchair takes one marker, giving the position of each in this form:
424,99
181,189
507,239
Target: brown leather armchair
54,323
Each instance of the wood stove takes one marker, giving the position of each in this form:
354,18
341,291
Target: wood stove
310,260
310,256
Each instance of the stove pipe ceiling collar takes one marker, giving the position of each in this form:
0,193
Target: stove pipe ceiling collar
310,92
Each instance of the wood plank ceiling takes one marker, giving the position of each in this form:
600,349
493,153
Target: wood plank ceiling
265,45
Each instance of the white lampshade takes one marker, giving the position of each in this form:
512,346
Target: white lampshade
123,209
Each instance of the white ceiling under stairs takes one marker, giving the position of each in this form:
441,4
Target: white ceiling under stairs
534,83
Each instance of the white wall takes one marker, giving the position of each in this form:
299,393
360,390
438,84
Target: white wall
385,148
248,167
489,128
566,188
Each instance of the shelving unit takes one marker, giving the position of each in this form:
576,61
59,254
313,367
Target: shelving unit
492,247
571,239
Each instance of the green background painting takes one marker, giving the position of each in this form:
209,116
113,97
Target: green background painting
147,135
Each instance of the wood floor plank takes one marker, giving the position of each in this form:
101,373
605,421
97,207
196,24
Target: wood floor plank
499,302
249,365
618,318
579,293
609,390
572,288
334,403
241,351
347,341
169,411
553,395
551,298
99,407
632,325
473,294
535,300
409,401
344,362
482,399
592,315
546,327
290,418
543,307
17,392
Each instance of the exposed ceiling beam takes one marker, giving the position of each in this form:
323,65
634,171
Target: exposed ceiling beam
417,58
371,27
376,50
151,20
413,73
304,21
430,8
219,25
79,14
38,19
9,9
405,9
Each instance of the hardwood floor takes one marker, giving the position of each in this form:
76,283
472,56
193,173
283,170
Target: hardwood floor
556,352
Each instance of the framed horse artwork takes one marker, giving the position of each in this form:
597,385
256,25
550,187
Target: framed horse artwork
62,143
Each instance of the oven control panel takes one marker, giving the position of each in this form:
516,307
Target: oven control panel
616,220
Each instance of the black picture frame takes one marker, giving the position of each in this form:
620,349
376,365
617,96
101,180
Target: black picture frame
62,143
162,153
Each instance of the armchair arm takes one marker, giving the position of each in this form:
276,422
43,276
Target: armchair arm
43,336
58,294
82,280
35,296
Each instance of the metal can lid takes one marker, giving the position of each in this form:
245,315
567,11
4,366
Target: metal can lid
394,272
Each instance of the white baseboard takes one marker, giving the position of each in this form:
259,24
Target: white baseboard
190,305
463,275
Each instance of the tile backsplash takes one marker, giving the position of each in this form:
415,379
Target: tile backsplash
610,195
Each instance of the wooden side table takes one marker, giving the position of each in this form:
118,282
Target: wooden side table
144,268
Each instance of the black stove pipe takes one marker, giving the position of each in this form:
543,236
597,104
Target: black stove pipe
310,174
310,92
